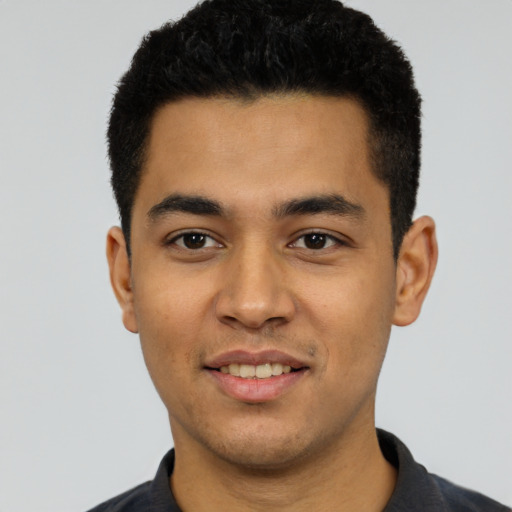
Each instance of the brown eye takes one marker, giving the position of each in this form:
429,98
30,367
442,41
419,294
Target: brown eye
315,241
195,241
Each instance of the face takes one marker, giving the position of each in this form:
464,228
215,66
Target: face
262,279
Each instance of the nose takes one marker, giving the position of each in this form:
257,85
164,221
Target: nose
254,293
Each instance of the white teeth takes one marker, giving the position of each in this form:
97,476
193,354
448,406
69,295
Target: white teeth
247,371
261,371
234,369
277,368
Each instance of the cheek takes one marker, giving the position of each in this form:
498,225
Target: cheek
170,320
168,303
352,314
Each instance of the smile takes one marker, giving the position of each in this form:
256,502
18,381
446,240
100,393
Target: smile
261,371
256,377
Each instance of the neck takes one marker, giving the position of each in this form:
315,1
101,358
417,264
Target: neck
351,476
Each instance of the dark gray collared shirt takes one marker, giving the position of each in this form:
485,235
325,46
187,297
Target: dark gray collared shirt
416,490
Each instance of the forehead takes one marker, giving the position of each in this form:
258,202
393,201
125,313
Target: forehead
272,148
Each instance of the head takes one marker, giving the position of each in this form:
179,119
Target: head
265,159
248,49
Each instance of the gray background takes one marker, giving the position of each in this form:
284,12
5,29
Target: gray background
80,420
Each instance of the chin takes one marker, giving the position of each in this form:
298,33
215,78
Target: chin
276,458
262,450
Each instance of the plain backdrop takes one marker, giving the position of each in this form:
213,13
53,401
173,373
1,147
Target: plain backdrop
80,420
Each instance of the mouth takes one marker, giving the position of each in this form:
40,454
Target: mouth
256,378
260,371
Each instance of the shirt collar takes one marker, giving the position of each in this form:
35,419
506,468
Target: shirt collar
413,481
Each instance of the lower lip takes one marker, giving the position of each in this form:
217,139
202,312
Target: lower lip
256,390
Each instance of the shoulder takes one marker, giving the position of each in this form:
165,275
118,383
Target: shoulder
460,499
154,495
134,500
418,490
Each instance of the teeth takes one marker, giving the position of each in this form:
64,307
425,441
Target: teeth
262,371
247,371
234,369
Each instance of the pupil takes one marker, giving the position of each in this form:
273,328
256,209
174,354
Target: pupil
194,240
315,241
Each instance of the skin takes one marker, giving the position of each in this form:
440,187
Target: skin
256,285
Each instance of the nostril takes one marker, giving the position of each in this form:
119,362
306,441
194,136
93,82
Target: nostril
254,306
252,322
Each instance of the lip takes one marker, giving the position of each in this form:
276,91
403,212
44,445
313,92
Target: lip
256,390
255,358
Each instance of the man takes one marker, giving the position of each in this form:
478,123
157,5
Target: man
265,160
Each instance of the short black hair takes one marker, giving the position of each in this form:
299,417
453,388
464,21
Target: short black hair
251,48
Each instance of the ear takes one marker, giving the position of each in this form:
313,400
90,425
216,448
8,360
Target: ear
415,268
120,276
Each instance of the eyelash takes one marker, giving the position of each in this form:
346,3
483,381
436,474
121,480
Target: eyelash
175,239
331,240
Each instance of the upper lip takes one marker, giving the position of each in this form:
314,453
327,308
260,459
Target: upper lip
254,358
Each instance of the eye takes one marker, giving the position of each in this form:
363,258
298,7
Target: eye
315,241
194,241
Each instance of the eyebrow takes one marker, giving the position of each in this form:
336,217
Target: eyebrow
196,205
313,205
331,204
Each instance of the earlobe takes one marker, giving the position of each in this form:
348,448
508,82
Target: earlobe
415,269
120,276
